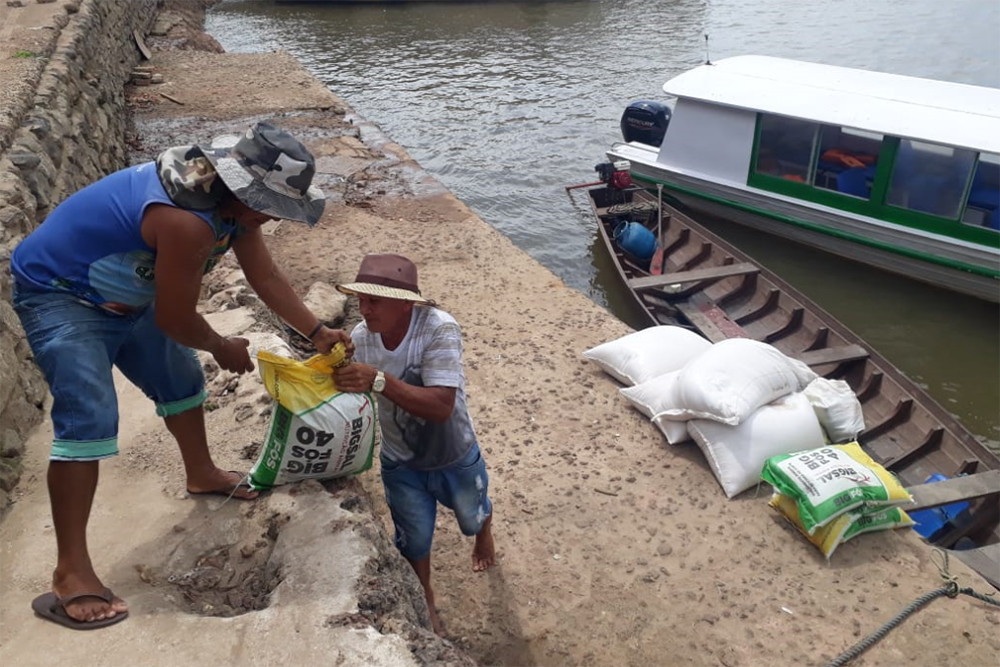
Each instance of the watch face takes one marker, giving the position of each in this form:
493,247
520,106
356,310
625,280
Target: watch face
379,383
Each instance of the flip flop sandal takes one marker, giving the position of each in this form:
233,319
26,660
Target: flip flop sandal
229,491
53,608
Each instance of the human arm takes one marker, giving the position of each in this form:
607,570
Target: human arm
434,404
183,243
271,285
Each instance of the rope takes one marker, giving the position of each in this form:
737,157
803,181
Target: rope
951,589
631,207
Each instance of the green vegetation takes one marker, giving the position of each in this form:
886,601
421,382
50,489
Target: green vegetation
25,54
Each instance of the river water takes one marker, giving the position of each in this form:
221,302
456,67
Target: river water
506,103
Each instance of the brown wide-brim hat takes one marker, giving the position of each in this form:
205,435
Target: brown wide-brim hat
387,277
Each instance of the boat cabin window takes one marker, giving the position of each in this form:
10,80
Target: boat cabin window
982,206
847,160
930,178
785,148
830,157
933,187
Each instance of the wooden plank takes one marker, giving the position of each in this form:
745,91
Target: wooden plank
693,276
984,560
702,322
832,355
954,490
711,321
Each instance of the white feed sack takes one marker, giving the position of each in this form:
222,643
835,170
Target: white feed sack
734,377
648,353
837,408
652,397
737,453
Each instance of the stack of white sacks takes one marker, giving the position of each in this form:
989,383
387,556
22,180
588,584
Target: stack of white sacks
741,400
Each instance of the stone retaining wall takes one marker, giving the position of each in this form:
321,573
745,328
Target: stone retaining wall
70,128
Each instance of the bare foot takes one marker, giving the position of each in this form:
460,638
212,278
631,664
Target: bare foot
89,608
484,553
223,483
436,623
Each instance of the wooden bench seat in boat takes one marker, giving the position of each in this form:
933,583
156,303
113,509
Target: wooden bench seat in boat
693,276
967,488
956,489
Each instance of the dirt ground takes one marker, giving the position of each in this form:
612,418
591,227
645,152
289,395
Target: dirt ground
614,548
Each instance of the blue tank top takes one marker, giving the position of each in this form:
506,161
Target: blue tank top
91,245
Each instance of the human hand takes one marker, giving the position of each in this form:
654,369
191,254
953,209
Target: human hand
354,378
233,355
326,338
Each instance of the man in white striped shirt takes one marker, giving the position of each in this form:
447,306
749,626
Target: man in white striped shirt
409,354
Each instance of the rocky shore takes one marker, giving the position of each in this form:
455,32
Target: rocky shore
614,548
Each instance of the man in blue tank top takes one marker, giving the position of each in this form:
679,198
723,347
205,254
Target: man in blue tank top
112,278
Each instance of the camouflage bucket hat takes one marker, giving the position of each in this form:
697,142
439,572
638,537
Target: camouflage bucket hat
270,171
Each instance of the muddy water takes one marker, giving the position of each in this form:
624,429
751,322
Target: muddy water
507,103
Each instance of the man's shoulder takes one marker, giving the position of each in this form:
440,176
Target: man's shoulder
179,223
432,318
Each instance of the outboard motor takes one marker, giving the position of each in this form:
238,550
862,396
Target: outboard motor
645,121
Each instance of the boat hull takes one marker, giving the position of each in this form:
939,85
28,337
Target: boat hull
699,281
928,258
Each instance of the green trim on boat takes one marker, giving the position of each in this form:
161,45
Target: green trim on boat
887,160
961,266
951,228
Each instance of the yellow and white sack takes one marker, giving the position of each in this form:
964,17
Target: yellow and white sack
844,527
316,431
829,481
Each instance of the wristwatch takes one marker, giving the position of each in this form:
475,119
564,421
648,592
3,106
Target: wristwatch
378,384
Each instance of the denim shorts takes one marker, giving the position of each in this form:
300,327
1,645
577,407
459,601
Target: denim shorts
413,495
76,344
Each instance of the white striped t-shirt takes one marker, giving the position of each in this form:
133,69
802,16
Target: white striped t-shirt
430,355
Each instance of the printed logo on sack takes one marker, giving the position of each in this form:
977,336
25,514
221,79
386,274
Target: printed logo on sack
846,472
282,422
357,427
312,453
363,409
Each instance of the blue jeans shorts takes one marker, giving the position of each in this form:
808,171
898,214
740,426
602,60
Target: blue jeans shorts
413,495
75,345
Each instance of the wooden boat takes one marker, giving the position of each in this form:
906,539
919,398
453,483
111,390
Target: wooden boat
699,281
893,171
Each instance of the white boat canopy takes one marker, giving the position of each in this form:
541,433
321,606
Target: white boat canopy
904,106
